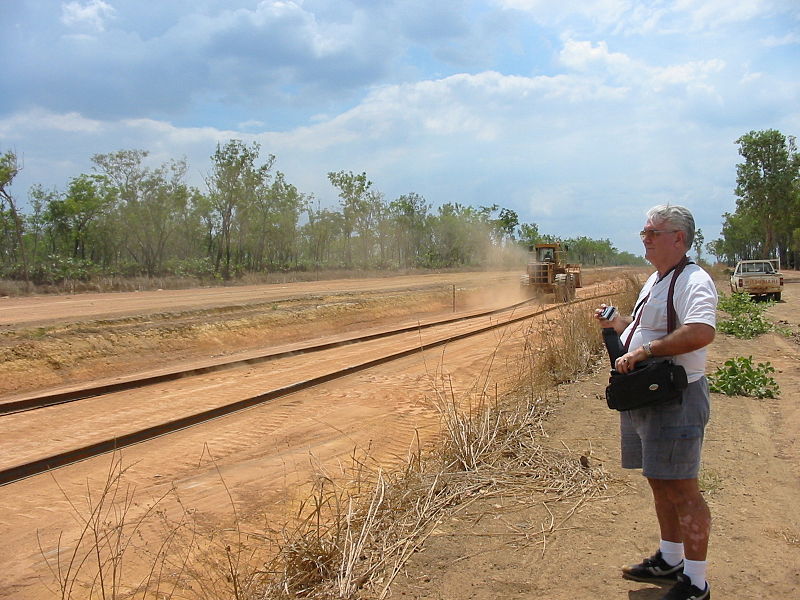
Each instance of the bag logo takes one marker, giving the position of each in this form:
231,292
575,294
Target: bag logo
653,387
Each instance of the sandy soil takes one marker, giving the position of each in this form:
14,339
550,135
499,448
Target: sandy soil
259,458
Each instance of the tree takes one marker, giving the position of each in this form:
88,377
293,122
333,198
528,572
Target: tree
717,249
87,197
505,225
233,186
741,238
321,232
10,218
765,184
411,227
587,251
529,234
278,209
354,196
698,242
459,235
151,204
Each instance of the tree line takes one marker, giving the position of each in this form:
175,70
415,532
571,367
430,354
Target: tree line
766,222
128,219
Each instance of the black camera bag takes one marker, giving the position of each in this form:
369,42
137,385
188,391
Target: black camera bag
648,384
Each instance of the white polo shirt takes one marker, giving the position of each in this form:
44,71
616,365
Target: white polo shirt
695,301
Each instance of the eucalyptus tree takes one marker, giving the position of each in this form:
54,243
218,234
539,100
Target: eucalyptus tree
766,188
529,235
36,230
151,204
323,235
460,234
11,221
279,207
699,238
741,237
371,229
355,202
410,221
87,198
588,251
505,226
717,249
233,186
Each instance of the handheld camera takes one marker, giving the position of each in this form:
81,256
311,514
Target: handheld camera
609,312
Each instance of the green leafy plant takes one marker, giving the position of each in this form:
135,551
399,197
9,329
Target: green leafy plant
747,317
745,327
739,377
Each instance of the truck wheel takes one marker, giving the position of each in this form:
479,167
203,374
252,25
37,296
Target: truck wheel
561,287
777,296
564,287
571,285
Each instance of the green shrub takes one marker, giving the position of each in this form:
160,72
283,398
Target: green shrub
747,316
745,327
738,377
737,303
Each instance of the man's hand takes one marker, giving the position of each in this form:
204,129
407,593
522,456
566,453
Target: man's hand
598,314
627,362
685,338
618,323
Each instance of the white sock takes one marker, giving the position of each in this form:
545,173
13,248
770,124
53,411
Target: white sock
696,571
671,552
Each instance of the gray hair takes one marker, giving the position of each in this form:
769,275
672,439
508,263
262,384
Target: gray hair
678,217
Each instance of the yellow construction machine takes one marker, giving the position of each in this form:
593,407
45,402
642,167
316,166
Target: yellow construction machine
548,272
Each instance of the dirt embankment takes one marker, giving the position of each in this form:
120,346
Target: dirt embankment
59,341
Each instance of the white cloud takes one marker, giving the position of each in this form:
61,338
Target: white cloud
711,14
603,12
596,61
585,56
643,16
790,39
39,120
691,74
94,14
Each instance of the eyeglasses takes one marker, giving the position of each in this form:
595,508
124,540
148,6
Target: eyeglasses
646,233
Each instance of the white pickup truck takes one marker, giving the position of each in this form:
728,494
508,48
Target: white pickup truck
758,278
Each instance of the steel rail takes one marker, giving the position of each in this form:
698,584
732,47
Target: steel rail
45,400
22,471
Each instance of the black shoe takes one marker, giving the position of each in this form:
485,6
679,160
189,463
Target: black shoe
653,569
684,590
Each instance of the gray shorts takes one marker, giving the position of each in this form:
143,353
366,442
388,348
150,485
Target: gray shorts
665,441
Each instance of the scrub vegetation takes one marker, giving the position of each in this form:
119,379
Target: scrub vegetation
131,219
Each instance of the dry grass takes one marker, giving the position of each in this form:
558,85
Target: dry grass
94,565
358,528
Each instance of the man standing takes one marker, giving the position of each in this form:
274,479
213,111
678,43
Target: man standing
665,440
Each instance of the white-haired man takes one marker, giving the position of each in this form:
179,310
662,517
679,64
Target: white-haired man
665,440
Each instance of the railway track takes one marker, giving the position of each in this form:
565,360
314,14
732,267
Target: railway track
473,324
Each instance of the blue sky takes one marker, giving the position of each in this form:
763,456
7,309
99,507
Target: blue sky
579,115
